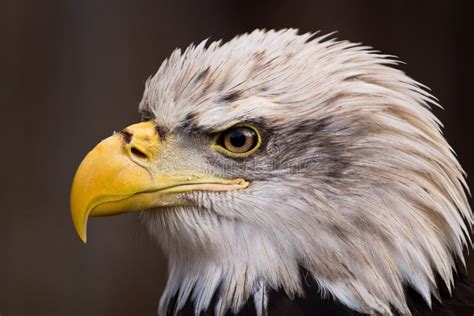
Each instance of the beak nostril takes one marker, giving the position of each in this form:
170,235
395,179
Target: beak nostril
137,152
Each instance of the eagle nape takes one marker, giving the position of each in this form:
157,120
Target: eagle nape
285,173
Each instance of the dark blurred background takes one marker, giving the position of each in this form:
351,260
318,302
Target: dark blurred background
73,71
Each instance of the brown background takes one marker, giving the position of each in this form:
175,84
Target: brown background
73,71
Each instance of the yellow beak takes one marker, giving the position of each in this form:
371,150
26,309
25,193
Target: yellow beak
121,174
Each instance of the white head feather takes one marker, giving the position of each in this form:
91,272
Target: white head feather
355,183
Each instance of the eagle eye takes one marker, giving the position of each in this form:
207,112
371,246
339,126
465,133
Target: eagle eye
238,141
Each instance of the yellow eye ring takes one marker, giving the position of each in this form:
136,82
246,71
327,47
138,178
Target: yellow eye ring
238,141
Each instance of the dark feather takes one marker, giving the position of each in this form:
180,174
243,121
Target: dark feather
461,303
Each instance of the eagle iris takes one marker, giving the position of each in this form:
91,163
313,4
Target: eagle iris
238,141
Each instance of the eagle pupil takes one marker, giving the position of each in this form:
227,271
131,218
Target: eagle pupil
237,138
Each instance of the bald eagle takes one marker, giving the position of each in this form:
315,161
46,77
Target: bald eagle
286,173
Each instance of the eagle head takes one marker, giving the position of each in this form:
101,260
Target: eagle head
277,152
